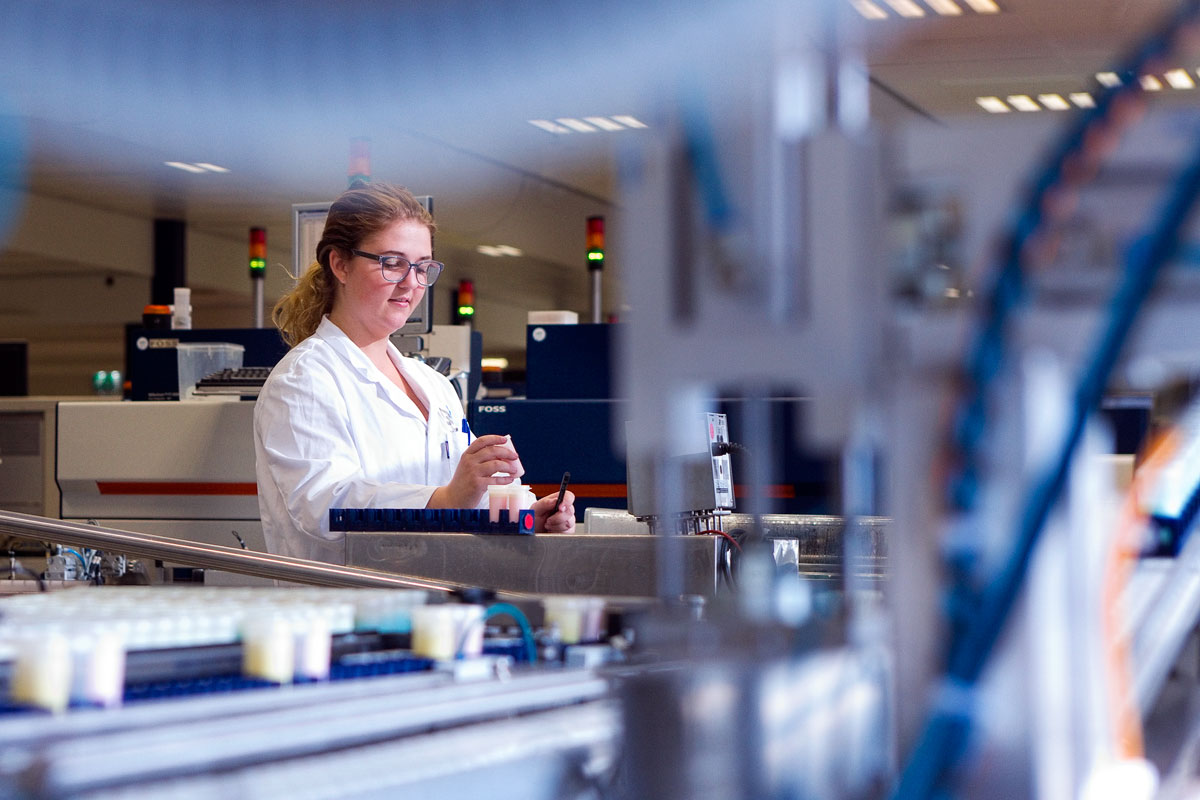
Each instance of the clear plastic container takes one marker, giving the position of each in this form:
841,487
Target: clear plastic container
200,359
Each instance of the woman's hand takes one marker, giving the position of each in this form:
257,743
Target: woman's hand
548,519
476,470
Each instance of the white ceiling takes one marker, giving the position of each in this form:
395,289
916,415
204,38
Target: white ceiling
110,89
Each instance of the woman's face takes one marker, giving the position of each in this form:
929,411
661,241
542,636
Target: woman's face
372,304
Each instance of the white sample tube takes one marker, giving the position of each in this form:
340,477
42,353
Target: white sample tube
268,649
313,645
181,312
41,675
98,668
443,632
578,618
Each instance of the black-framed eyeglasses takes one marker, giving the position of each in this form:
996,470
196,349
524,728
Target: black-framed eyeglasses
395,269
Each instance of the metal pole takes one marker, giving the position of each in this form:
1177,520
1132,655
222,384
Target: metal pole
596,299
246,562
259,301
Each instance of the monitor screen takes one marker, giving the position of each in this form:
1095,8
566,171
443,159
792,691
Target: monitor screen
308,222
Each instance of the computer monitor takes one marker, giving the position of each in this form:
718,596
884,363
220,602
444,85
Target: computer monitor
308,223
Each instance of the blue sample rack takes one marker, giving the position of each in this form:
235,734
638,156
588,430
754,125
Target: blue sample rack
437,520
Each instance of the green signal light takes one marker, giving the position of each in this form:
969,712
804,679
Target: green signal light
595,255
466,311
258,265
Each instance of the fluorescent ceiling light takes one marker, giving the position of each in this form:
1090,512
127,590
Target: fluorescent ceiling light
906,8
868,9
548,126
604,123
575,124
184,166
1023,102
1179,79
498,250
628,121
617,122
947,8
983,6
1108,79
1082,100
993,105
1150,83
210,167
1054,102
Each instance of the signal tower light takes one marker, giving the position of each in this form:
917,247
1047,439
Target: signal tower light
595,242
465,301
258,252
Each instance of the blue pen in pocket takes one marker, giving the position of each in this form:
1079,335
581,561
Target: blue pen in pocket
466,429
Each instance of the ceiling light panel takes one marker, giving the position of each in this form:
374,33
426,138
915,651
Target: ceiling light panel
498,250
197,167
548,126
993,105
1023,102
604,123
628,121
1179,79
868,10
576,124
906,8
947,8
186,167
564,125
912,9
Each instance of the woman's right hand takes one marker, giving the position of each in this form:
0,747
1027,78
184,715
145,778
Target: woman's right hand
476,470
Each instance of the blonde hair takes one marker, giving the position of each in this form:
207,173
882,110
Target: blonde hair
362,210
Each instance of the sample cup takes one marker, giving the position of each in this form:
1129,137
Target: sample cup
578,618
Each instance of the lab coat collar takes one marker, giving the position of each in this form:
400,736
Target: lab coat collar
336,338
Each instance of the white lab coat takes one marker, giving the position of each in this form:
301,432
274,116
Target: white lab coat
331,431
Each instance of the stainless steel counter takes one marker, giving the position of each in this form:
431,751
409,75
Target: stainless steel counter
622,565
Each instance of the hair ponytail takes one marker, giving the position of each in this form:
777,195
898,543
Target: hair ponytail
299,312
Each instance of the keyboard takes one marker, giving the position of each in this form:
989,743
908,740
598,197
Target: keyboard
243,381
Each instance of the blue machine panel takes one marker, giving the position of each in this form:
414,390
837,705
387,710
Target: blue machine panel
564,362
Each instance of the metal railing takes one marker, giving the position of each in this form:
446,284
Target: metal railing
245,562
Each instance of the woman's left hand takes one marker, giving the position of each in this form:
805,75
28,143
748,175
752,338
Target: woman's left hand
548,519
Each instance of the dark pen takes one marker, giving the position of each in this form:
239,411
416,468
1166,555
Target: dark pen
562,490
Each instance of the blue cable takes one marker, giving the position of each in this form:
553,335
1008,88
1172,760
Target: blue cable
987,353
977,616
82,560
944,738
517,614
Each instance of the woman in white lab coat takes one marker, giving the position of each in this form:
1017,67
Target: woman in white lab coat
345,421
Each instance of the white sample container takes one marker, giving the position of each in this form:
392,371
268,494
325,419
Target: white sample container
446,631
578,618
510,496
